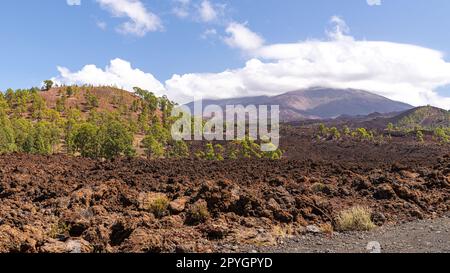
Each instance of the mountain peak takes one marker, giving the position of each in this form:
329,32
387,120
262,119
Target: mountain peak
320,103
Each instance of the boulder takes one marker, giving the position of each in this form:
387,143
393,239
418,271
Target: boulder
178,206
384,192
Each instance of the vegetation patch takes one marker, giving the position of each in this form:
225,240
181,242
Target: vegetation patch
156,203
198,213
355,219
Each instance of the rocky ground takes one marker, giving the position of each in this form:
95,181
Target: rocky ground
68,204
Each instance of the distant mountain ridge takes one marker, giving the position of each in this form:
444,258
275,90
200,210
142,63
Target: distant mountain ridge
319,103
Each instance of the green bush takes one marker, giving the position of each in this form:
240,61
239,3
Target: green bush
23,129
153,148
45,136
84,140
346,130
91,100
441,135
115,139
178,149
156,203
198,213
419,136
335,134
7,137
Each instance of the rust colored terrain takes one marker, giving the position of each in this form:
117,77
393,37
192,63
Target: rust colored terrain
68,204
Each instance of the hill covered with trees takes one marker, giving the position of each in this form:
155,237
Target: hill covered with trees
426,117
86,120
100,122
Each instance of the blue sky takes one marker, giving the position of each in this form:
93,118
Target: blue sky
39,36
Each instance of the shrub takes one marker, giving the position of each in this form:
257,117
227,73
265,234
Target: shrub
419,136
219,150
70,91
115,139
335,134
210,154
248,148
318,187
390,127
84,140
363,134
61,104
153,148
156,203
355,219
346,130
7,138
59,229
198,213
323,130
43,138
23,129
178,149
441,135
38,106
275,154
91,100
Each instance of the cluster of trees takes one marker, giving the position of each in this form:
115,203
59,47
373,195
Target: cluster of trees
22,135
104,136
420,118
441,134
360,134
246,148
158,143
27,125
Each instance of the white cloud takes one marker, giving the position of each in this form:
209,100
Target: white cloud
181,8
202,11
140,20
340,29
239,36
401,72
398,71
374,2
207,11
73,2
210,32
119,73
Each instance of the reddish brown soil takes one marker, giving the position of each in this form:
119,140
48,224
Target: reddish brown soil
106,97
68,204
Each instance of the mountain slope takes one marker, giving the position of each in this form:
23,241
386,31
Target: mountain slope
319,103
426,117
108,98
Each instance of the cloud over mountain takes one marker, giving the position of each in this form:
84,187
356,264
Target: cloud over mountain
397,71
119,73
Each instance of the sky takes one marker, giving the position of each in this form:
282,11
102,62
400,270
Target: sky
188,49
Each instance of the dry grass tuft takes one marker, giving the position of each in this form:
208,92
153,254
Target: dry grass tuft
156,203
355,219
